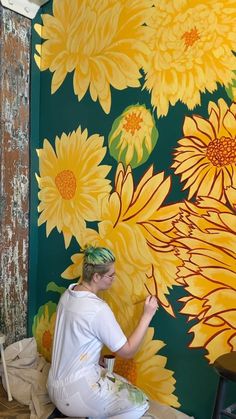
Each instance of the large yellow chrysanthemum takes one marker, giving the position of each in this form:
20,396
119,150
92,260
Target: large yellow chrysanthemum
207,232
43,329
72,183
206,155
101,42
147,369
192,45
139,231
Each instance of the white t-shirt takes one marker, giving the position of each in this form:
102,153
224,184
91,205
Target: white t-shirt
84,324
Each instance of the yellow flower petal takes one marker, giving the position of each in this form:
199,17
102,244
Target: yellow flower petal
150,198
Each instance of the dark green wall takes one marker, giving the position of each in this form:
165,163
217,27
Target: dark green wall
52,115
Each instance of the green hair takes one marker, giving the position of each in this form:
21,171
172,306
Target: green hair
98,255
96,260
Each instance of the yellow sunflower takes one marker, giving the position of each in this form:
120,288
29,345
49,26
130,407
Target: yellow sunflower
133,136
192,45
206,155
207,243
43,329
101,42
71,182
139,231
147,369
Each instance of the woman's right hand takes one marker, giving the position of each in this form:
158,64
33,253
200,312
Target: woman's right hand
134,341
150,306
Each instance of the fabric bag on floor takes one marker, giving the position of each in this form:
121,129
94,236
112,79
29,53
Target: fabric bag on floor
27,374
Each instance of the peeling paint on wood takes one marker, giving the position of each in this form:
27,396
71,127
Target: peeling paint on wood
15,31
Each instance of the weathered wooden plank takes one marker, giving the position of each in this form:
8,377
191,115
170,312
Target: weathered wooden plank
15,31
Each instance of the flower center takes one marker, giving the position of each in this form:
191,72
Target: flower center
190,37
132,123
66,184
126,368
222,152
47,340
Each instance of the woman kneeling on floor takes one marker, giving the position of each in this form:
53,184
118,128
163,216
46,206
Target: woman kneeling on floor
77,384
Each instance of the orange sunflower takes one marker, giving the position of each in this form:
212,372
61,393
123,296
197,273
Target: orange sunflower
206,155
206,245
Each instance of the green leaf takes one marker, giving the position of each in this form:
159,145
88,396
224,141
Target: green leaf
52,286
231,89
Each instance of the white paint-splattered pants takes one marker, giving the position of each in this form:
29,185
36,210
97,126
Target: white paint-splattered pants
106,397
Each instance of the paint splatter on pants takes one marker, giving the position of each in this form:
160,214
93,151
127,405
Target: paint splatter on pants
109,396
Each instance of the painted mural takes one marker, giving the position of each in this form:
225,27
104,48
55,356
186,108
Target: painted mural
102,186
